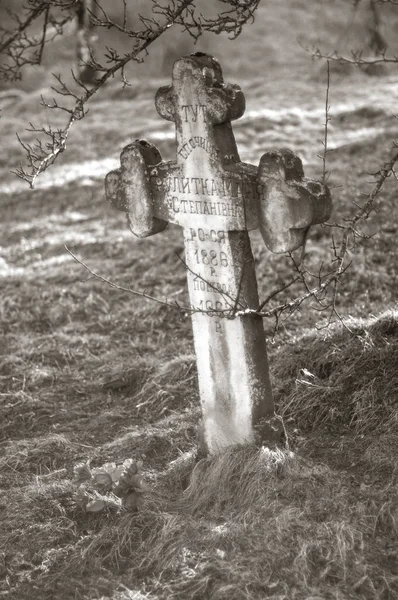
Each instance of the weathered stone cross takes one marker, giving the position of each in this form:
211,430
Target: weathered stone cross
217,200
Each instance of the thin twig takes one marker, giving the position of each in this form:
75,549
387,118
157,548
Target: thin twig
32,15
225,295
185,309
349,229
116,286
327,119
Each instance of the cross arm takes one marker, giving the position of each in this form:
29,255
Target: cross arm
290,202
128,188
276,197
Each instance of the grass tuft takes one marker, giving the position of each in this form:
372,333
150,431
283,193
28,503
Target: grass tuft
252,524
344,377
37,454
234,479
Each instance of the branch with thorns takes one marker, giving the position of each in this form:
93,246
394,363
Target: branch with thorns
49,143
317,292
348,241
376,44
324,281
323,157
228,313
19,48
356,57
23,50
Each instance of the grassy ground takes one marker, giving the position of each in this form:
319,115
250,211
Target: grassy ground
89,374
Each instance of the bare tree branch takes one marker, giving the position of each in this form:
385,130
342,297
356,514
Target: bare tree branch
45,154
350,232
116,286
227,313
20,48
33,14
93,75
323,157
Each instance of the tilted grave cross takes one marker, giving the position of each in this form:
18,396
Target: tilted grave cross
217,199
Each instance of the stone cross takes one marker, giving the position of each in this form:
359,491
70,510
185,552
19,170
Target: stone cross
217,199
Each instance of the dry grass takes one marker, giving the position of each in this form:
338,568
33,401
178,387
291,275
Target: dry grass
251,524
343,378
319,521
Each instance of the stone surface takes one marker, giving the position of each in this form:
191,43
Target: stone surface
291,203
217,200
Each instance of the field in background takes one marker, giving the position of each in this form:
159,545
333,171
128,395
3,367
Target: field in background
88,373
267,48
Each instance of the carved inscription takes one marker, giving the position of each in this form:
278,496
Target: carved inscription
203,207
230,199
191,112
210,281
223,187
214,287
211,258
204,236
197,141
195,113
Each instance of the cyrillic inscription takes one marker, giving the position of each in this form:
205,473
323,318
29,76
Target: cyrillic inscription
211,287
231,187
210,306
205,236
191,112
203,207
214,287
197,141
